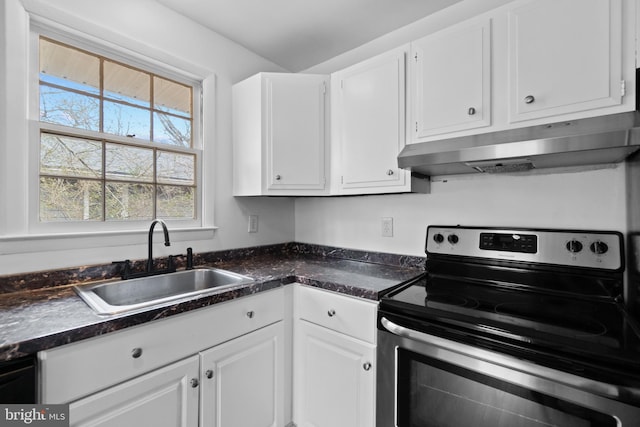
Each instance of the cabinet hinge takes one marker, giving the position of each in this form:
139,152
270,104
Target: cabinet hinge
416,57
342,179
324,87
416,126
623,88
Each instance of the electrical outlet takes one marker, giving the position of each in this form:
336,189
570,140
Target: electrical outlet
253,223
387,227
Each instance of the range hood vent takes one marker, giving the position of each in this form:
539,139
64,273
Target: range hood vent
596,140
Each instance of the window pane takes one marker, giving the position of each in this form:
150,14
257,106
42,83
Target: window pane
126,84
126,201
69,108
173,168
128,163
171,97
64,199
120,119
64,155
86,174
69,67
171,130
176,202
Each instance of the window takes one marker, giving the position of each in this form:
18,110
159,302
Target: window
116,142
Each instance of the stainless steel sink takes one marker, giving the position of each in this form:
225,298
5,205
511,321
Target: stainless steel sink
134,294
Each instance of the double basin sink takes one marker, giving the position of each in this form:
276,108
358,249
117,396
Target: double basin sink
135,294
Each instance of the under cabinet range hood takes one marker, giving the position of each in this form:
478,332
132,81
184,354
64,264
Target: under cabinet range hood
590,141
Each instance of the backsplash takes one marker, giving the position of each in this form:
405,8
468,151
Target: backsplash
84,274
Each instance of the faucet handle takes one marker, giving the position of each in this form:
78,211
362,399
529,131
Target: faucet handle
125,271
189,259
171,266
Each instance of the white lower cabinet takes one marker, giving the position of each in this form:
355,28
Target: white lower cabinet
335,379
334,360
223,383
256,361
167,397
156,374
242,381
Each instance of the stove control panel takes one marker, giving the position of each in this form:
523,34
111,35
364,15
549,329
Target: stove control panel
592,249
510,242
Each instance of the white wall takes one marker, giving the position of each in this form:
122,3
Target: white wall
590,198
569,198
143,27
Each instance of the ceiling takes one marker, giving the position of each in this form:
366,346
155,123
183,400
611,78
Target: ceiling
297,34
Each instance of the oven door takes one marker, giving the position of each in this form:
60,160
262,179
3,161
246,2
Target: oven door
428,381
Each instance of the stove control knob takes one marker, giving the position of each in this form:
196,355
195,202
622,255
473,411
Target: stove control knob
453,239
598,247
574,246
438,238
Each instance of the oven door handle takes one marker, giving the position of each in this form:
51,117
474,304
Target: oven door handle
586,384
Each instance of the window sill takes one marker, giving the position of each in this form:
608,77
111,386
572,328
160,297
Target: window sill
33,243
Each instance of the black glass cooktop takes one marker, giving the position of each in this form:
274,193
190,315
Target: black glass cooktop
579,324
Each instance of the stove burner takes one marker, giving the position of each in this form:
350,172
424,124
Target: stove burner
561,321
440,300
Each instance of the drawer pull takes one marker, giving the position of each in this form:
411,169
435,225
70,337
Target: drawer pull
367,366
209,373
331,313
194,382
250,314
136,352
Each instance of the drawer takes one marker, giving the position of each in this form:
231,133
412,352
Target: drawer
348,315
78,369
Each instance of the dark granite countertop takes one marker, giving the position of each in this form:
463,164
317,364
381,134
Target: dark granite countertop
47,317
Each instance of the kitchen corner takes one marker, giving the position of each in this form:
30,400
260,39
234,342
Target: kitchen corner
35,316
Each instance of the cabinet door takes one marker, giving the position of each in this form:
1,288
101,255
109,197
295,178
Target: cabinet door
334,379
295,131
564,56
370,116
164,397
451,81
243,381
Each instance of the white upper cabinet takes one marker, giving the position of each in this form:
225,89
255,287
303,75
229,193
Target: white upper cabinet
279,135
450,80
526,63
565,56
368,125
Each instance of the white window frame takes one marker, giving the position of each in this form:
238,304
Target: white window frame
35,226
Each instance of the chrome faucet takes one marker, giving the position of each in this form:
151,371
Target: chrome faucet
166,241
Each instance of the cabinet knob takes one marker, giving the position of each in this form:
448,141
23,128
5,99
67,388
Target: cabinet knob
529,99
209,373
136,352
331,313
471,111
390,172
366,366
278,177
194,382
250,314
